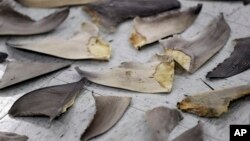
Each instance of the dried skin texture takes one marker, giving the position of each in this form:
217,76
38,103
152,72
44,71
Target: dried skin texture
238,62
215,103
162,121
110,13
86,45
53,3
6,136
151,29
49,101
152,77
193,53
3,57
193,134
109,110
17,72
15,23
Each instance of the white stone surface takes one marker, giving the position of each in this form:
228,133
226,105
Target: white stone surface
132,126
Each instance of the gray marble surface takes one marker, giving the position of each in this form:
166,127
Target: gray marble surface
132,126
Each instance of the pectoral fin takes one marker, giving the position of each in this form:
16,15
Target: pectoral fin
110,13
18,71
109,110
214,103
86,45
238,62
162,121
50,101
193,134
193,53
155,76
148,30
15,23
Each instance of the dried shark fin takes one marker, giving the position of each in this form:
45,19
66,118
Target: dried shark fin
83,46
50,101
3,57
6,136
156,76
109,110
193,134
110,13
53,3
162,121
214,103
17,72
192,54
151,29
238,62
15,23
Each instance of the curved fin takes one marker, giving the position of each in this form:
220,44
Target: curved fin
15,23
238,62
193,53
109,110
162,121
193,134
86,45
49,101
27,71
148,30
156,76
214,103
110,13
